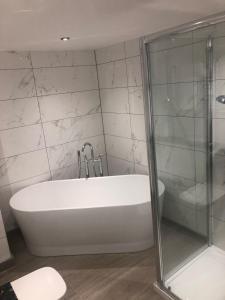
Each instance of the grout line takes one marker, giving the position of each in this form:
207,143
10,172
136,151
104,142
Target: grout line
35,86
103,127
118,60
49,67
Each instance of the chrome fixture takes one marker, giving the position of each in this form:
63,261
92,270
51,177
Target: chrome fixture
65,38
92,160
221,99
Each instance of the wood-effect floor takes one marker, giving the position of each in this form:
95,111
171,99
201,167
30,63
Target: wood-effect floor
91,277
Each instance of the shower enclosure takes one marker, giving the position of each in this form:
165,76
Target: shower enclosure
184,76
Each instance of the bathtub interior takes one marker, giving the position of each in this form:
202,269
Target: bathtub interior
83,193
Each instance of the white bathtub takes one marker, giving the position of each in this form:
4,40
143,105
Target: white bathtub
84,216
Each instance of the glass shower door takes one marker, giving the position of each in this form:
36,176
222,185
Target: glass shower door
179,94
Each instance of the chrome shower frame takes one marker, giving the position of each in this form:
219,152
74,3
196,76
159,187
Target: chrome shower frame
150,139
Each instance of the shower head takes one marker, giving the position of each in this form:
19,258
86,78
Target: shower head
221,99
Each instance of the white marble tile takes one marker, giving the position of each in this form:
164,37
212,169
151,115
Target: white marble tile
71,129
219,136
65,79
132,48
83,58
64,155
159,67
14,60
69,172
199,57
117,124
219,57
201,134
51,58
16,84
20,112
177,161
55,107
8,219
17,186
140,152
20,140
200,166
171,41
119,147
200,99
23,166
112,74
219,108
180,64
115,100
139,169
119,166
175,131
173,99
136,100
138,127
110,53
218,233
134,75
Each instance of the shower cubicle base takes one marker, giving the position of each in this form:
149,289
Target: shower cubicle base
201,279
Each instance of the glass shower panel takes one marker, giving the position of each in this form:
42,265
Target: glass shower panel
178,71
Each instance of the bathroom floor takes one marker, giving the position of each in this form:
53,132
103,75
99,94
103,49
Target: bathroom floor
95,277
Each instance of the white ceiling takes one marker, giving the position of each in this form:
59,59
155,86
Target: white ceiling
38,24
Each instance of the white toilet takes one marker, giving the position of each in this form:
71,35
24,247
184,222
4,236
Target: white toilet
45,284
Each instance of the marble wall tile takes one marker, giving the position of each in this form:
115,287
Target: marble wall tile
23,166
8,219
67,130
218,233
138,127
14,60
219,170
69,172
119,147
112,74
61,156
177,161
20,112
51,58
132,48
173,99
136,100
219,136
200,99
180,64
140,153
219,57
65,79
117,124
219,108
16,84
201,134
83,58
20,140
199,58
139,169
111,53
114,100
159,67
134,74
119,166
61,106
175,131
200,166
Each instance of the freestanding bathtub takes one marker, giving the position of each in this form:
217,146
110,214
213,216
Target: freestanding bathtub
86,216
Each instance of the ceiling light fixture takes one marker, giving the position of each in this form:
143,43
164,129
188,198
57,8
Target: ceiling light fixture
65,38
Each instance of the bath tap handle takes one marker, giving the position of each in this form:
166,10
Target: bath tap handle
86,166
79,163
100,165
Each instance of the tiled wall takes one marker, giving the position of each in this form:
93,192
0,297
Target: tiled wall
120,81
178,80
49,106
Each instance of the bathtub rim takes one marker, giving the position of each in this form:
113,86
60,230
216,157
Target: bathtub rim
14,200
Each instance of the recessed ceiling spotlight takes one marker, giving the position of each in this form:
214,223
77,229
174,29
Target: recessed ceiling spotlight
65,38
